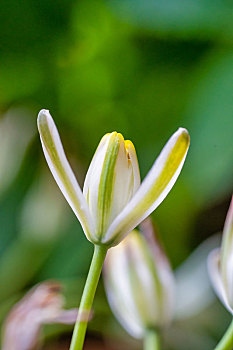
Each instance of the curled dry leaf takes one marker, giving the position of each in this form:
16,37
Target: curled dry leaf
43,304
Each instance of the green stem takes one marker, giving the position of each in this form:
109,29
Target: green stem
151,340
226,343
87,297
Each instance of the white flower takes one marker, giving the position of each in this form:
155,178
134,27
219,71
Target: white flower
220,264
113,202
139,283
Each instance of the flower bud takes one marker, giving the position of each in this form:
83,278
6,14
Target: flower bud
220,264
139,283
111,181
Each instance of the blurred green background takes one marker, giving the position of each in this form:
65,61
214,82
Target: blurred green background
143,68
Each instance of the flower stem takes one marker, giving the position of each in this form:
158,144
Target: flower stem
151,340
87,297
226,343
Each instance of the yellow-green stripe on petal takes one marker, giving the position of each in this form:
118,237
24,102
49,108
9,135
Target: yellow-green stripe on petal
61,170
106,184
153,189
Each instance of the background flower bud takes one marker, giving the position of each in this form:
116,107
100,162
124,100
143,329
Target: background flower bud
139,283
220,264
226,262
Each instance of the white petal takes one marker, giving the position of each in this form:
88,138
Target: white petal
92,180
226,264
134,162
215,277
153,189
61,170
123,188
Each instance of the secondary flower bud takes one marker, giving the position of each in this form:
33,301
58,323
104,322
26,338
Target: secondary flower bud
139,283
220,264
113,202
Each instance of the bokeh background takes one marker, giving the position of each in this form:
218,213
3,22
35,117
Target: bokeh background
140,67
